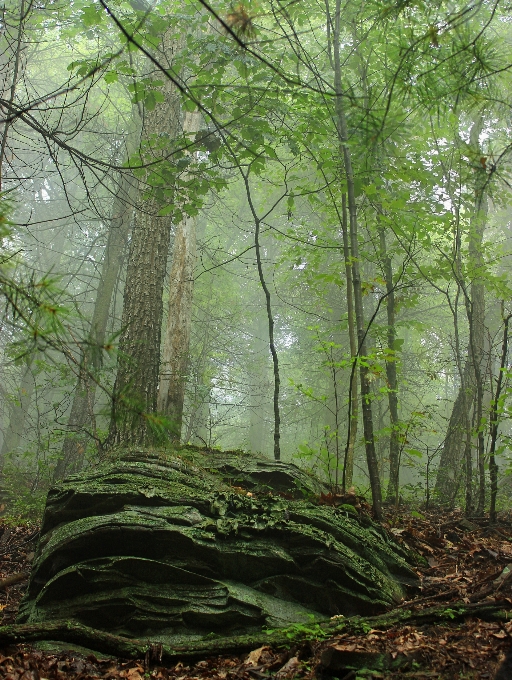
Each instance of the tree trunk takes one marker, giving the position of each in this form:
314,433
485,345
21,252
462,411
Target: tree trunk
494,420
18,413
12,69
270,320
394,444
134,402
366,396
353,408
81,417
173,375
258,379
471,388
475,305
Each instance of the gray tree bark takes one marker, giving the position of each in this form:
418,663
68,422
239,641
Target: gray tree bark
134,404
353,405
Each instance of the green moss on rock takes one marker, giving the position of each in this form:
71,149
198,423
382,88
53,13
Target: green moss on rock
168,547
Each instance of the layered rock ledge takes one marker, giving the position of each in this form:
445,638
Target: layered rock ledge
179,545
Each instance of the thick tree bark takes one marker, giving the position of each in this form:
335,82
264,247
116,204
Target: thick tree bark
174,366
366,396
135,393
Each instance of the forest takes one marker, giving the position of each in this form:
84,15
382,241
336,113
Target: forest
275,231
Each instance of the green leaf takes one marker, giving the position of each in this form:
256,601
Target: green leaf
92,15
110,77
397,344
415,453
166,210
358,187
189,105
370,190
150,101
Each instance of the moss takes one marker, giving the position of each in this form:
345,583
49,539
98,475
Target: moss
160,543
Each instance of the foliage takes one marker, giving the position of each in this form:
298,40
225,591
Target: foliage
415,82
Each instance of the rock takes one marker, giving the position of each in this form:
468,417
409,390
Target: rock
162,546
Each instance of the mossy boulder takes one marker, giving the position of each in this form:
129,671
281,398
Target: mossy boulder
172,546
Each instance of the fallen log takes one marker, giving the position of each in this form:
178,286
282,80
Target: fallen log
13,579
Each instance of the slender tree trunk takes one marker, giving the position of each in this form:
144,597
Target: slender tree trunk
258,378
494,420
394,444
475,305
174,367
134,404
11,71
353,402
366,405
270,319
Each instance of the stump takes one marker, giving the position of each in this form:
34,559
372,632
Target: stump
176,546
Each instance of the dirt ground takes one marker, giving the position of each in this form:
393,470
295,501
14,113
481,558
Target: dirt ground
467,560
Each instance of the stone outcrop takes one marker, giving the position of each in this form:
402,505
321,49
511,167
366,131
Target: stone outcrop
179,545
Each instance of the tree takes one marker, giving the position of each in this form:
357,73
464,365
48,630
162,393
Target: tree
135,391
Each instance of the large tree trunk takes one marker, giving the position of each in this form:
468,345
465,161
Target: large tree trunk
471,389
135,393
174,368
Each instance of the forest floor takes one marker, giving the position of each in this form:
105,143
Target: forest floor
468,561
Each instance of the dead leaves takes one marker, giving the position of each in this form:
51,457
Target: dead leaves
256,656
16,555
466,560
469,650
